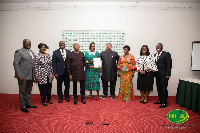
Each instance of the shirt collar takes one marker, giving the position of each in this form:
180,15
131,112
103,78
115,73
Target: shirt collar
159,53
62,49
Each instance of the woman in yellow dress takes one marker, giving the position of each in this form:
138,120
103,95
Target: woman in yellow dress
126,69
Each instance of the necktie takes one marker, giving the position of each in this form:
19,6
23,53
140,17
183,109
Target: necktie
30,54
63,54
158,56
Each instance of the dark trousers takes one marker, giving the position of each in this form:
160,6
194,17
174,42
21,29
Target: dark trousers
60,79
82,89
45,91
25,89
162,83
112,87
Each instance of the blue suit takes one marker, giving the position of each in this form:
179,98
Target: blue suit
60,68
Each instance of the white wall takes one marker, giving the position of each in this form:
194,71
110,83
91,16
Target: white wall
144,23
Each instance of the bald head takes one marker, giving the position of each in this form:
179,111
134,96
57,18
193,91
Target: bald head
108,47
27,43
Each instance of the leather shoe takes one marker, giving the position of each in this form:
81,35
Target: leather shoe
45,104
113,97
31,106
50,102
68,100
163,105
83,101
158,102
25,110
60,101
104,96
75,102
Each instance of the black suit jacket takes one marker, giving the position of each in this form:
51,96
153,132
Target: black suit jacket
164,64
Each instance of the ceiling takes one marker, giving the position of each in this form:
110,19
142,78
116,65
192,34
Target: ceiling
26,1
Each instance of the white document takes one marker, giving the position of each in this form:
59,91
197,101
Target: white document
97,62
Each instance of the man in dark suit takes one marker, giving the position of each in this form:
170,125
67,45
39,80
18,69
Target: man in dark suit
24,66
59,63
164,65
109,70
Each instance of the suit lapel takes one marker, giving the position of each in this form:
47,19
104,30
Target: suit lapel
59,54
162,54
26,53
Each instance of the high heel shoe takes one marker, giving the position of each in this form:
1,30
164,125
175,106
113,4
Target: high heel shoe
91,99
142,101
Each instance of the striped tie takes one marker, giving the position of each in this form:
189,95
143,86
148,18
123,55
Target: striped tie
30,54
63,54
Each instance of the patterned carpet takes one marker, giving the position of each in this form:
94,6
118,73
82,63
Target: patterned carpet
105,115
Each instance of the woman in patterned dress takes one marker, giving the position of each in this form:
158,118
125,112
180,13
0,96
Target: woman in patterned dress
126,69
146,66
44,73
92,75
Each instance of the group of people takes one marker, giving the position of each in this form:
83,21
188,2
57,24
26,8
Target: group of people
78,66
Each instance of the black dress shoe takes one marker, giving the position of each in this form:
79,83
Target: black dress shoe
25,110
104,96
158,102
83,101
60,101
50,102
68,100
113,97
163,105
31,106
75,102
45,104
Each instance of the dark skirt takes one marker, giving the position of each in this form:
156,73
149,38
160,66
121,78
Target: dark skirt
145,82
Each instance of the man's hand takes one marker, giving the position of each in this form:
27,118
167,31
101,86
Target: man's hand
167,77
56,76
38,79
20,78
70,77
